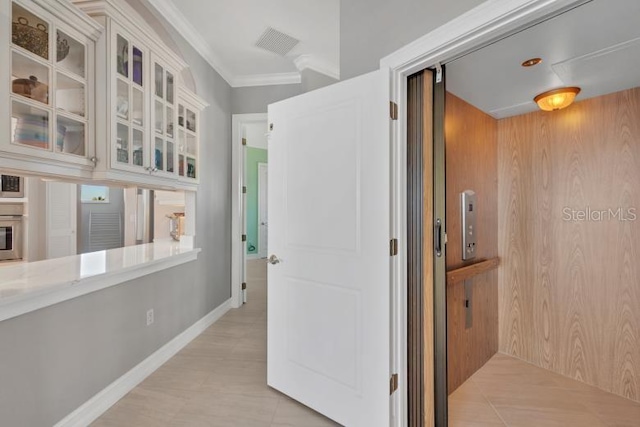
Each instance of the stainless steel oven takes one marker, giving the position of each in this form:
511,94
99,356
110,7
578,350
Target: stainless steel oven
11,186
11,231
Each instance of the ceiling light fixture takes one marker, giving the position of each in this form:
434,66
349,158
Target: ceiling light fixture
556,99
531,62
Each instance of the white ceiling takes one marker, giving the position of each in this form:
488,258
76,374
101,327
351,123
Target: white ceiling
225,33
595,46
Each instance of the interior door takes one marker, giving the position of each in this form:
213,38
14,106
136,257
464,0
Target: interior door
329,231
263,218
61,221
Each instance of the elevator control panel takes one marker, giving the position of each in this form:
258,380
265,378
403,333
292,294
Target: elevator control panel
469,232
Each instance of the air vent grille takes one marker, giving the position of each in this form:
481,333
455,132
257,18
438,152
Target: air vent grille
276,42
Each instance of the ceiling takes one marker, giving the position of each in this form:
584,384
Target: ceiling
595,46
225,33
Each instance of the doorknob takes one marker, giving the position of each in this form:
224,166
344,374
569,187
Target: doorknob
273,260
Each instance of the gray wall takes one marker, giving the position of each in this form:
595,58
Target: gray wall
115,205
372,29
55,359
255,99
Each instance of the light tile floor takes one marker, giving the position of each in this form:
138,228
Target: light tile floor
509,392
219,379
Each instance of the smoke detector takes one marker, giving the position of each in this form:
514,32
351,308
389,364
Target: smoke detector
276,41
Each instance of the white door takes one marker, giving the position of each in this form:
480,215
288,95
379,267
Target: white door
263,218
61,212
329,225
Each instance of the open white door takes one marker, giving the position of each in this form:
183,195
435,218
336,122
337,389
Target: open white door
329,226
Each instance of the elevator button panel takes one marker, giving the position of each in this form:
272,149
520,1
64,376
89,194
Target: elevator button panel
469,231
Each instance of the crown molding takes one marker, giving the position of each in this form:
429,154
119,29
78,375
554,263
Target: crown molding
266,79
311,62
173,15
175,18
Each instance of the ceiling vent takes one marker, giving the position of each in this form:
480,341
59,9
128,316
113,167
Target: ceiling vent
276,42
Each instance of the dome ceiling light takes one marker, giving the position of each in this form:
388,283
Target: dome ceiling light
557,99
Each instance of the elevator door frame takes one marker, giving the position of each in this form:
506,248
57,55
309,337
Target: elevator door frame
489,22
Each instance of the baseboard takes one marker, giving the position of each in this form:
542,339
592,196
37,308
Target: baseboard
98,404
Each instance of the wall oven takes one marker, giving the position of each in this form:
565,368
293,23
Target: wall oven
11,231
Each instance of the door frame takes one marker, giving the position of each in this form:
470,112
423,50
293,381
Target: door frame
261,187
485,24
238,247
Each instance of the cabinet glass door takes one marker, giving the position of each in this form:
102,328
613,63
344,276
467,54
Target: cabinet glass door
48,85
187,142
130,106
164,118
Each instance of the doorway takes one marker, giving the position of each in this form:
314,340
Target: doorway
248,151
534,319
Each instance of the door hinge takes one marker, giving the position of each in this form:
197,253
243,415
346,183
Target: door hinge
394,247
393,110
244,237
244,190
244,286
438,73
244,141
393,383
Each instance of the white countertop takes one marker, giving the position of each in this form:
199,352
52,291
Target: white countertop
29,286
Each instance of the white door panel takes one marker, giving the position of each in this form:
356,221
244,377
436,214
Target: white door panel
329,297
61,212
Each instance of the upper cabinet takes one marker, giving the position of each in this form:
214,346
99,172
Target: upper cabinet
189,108
47,64
138,85
91,92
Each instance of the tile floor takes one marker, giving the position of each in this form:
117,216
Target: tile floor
219,379
510,392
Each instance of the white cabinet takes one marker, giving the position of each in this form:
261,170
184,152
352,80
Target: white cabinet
189,108
164,114
138,95
92,93
46,105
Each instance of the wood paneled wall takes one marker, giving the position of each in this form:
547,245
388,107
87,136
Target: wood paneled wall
471,162
570,290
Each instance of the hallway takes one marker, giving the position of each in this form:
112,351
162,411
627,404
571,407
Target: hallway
219,379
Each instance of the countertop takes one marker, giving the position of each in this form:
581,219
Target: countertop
29,286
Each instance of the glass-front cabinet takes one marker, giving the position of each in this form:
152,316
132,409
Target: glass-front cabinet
189,108
129,150
139,98
163,155
50,97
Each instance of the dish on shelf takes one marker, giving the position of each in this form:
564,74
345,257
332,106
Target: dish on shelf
31,88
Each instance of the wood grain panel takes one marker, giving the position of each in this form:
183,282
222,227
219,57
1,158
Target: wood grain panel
472,156
570,287
471,162
470,349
